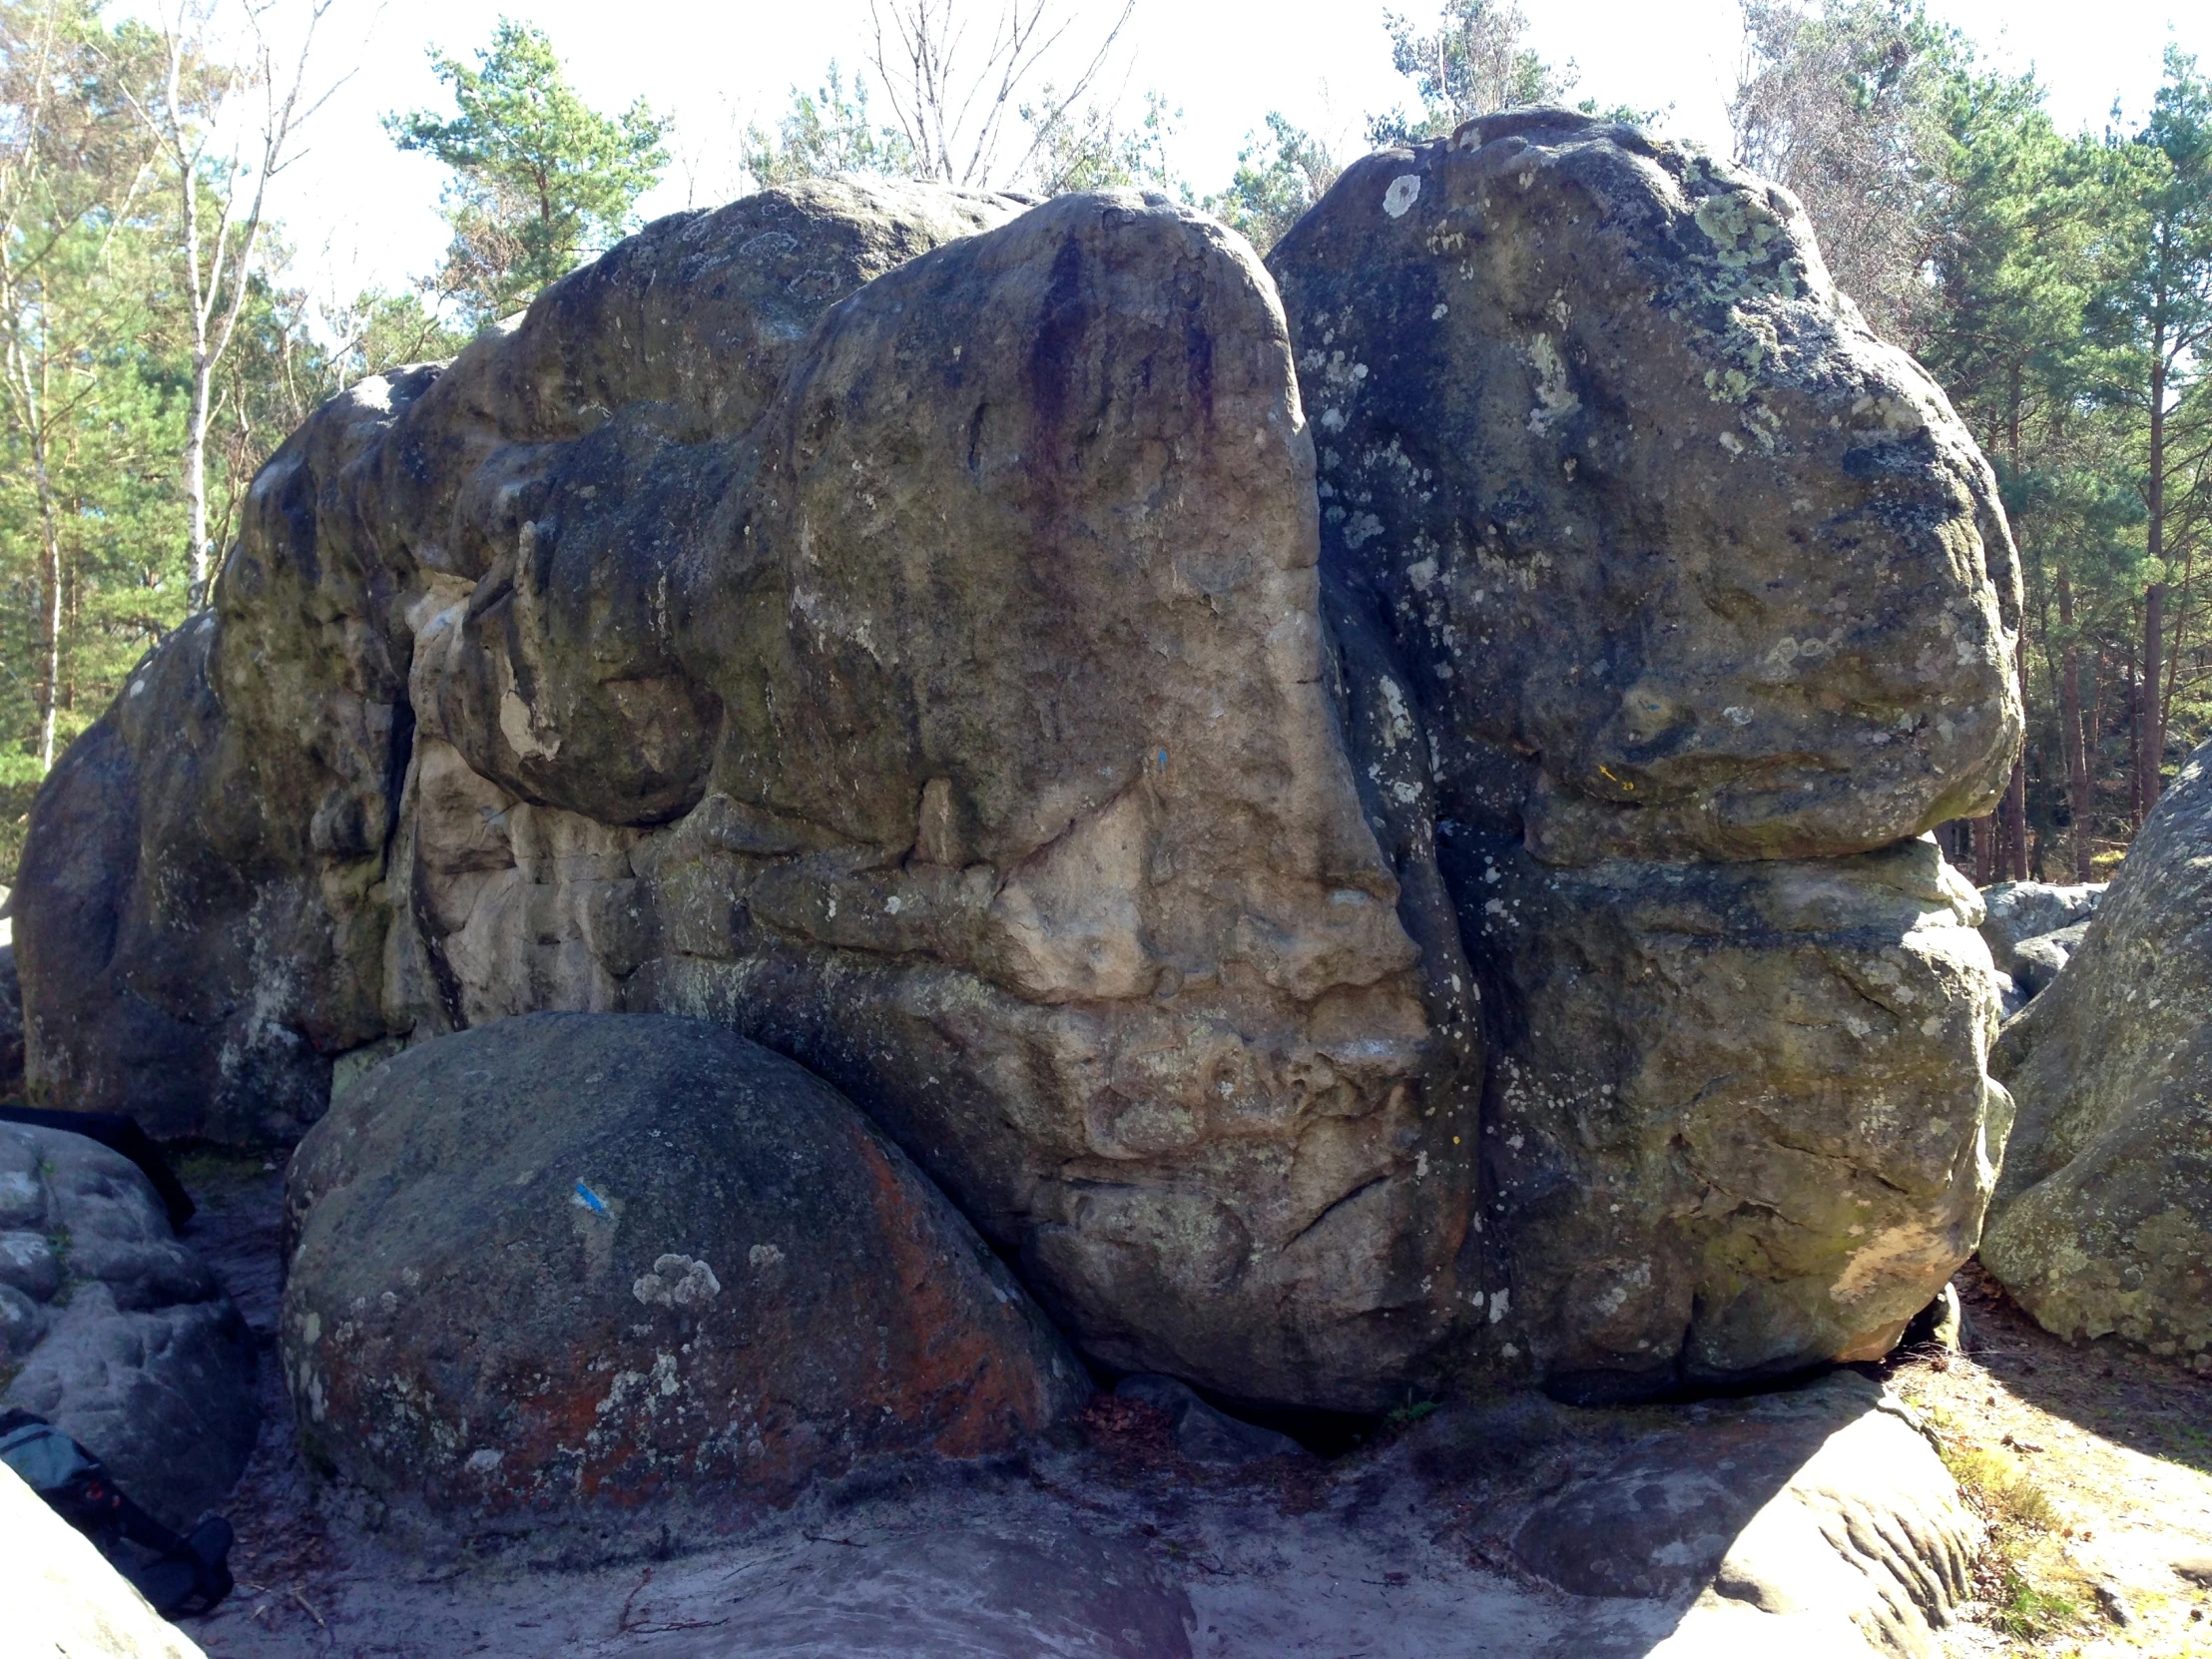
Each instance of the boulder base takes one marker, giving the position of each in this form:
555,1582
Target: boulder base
574,1258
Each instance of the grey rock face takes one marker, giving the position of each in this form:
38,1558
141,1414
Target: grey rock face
113,1330
1681,560
958,728
2038,961
1681,602
11,1026
916,637
1744,1123
574,1258
2103,1220
2016,912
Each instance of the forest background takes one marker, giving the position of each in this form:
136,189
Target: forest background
161,334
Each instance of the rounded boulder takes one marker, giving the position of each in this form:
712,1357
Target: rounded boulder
596,1259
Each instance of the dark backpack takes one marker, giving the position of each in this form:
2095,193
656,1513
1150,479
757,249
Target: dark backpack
177,1574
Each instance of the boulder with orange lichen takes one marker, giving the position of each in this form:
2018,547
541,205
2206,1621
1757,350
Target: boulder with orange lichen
574,1262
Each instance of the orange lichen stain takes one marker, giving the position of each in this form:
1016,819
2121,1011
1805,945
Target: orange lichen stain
1873,1345
968,1392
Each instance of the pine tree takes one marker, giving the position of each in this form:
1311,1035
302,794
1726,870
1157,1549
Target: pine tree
541,180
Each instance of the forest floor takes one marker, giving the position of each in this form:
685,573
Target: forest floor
2092,1463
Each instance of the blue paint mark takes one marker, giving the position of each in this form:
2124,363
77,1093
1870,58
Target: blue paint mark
1163,760
590,1200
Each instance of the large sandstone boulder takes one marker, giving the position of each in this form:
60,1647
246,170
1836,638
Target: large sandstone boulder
116,1333
953,719
918,637
1680,602
1682,561
590,1258
2103,1219
1743,1122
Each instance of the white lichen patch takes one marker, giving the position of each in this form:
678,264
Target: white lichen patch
1555,400
1404,191
677,1281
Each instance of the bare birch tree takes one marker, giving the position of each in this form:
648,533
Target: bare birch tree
221,165
956,97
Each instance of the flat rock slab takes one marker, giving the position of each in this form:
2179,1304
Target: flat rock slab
960,1595
1821,1524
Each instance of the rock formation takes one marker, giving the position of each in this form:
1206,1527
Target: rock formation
918,637
113,1330
578,1256
1676,602
2103,1220
2017,912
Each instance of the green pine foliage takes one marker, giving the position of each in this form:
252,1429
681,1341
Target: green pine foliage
541,180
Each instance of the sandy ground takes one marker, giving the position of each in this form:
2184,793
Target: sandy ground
1353,1559
2119,1442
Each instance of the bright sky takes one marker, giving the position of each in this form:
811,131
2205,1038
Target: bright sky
360,212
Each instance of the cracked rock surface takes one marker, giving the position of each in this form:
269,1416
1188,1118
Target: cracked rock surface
924,636
1675,606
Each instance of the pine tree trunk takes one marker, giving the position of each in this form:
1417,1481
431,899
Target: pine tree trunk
2069,729
2149,712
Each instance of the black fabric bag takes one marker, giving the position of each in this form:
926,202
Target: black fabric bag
188,1574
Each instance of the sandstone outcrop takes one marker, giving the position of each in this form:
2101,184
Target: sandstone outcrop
1681,603
918,637
952,721
1817,1522
2103,1217
113,1330
588,1258
1741,1120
